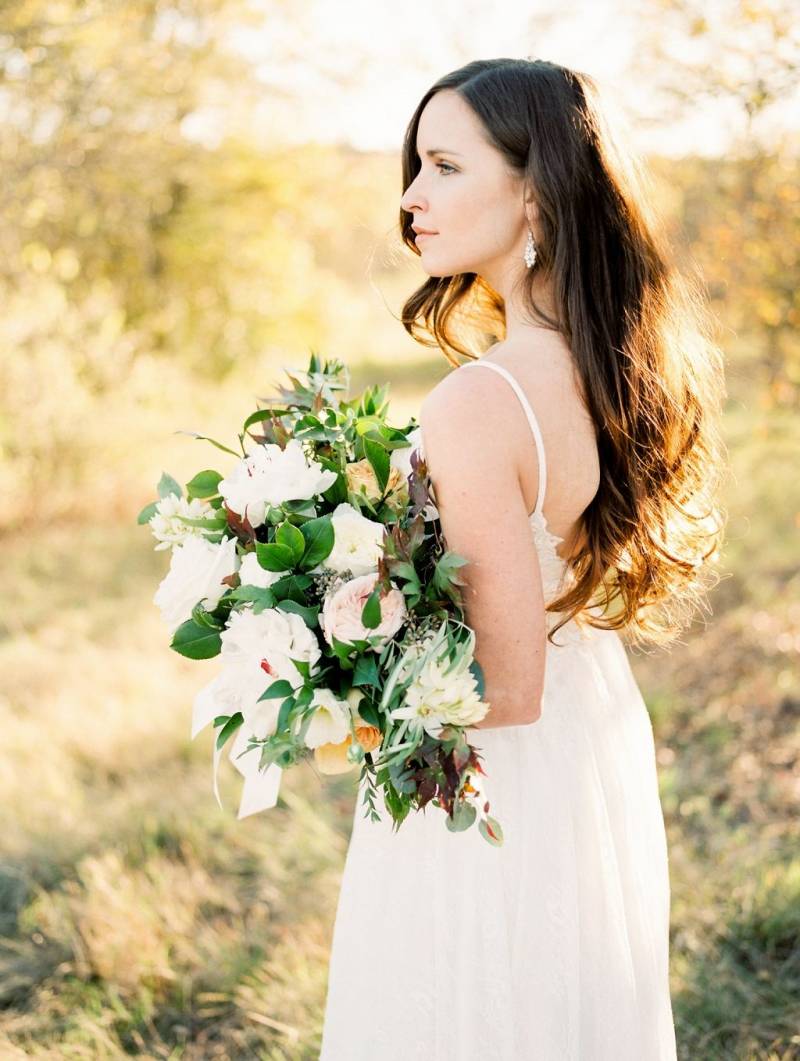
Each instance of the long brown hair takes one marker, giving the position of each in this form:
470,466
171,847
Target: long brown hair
639,331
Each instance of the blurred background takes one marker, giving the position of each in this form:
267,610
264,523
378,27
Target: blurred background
195,196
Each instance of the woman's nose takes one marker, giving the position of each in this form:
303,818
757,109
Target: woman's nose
411,198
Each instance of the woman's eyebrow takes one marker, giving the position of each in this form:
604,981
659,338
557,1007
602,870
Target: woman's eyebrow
440,151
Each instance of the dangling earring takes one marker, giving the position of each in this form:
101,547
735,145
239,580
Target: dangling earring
530,250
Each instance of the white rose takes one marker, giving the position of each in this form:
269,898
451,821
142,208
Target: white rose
330,723
271,475
401,458
166,523
252,573
195,574
357,541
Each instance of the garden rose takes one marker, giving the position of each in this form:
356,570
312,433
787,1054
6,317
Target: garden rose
361,478
358,541
269,475
340,616
270,640
196,570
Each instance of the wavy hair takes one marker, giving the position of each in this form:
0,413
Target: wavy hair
639,331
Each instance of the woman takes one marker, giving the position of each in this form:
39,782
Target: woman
575,465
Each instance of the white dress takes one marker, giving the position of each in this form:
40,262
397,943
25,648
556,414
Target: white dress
552,947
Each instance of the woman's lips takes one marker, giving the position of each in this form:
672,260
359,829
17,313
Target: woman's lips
424,235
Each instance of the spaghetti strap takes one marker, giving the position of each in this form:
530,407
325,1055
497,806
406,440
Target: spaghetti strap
534,424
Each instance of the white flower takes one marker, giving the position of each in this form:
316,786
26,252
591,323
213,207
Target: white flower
330,723
195,574
401,458
252,573
357,541
257,650
271,475
166,524
270,641
436,697
236,688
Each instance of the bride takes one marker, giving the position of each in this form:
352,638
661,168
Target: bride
575,465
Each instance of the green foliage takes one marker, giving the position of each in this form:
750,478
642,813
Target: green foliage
196,641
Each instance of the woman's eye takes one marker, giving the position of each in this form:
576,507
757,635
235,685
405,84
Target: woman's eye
446,165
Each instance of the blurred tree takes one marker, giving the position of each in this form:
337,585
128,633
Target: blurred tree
747,53
739,216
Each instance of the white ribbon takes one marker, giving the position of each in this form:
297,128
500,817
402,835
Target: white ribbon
260,791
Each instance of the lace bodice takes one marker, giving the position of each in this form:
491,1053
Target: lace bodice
553,567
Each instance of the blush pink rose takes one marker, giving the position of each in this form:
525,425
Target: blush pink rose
341,613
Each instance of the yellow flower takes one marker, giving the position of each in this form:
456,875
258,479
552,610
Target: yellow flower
332,758
361,478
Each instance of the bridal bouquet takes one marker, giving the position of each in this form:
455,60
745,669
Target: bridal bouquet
315,567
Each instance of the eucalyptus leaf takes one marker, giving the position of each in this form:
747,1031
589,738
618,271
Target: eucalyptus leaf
167,485
147,512
490,829
205,438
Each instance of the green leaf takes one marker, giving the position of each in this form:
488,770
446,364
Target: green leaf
261,597
167,485
369,713
205,618
288,535
490,829
259,416
195,641
274,557
230,727
371,612
303,666
300,507
379,459
147,512
366,671
291,587
214,523
205,438
402,569
309,615
477,672
319,537
204,484
283,714
278,688
464,815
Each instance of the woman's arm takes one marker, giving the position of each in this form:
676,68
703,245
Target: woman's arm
484,518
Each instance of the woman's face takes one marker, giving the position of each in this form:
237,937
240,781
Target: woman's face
466,194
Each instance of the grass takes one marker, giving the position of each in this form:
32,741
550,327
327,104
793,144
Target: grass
138,919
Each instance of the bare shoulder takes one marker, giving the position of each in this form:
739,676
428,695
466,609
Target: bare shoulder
473,426
465,398
540,361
